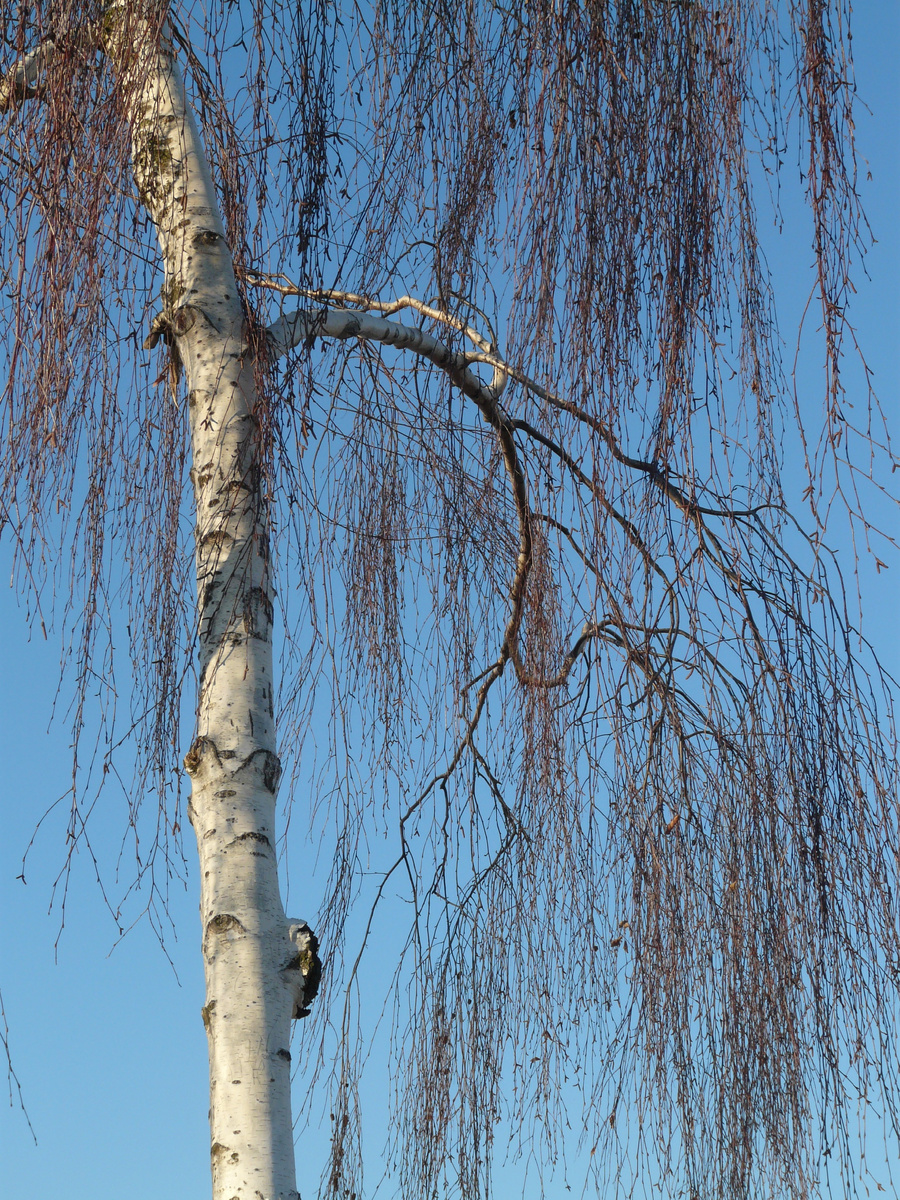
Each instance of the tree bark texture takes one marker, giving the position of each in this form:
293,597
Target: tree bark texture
260,967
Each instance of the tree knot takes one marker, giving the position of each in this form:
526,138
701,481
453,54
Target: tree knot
303,970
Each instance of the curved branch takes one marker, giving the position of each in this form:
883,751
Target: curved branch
20,83
359,303
304,326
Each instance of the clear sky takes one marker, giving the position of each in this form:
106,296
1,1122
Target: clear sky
105,1034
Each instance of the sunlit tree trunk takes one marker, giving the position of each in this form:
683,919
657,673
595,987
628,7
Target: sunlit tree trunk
256,960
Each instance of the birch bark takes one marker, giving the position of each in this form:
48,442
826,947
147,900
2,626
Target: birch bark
260,967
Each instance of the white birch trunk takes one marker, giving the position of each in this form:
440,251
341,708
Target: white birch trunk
256,961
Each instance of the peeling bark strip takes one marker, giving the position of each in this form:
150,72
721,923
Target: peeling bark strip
261,968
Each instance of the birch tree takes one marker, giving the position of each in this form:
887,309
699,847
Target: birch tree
456,319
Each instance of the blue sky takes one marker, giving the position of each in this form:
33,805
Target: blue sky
105,1032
